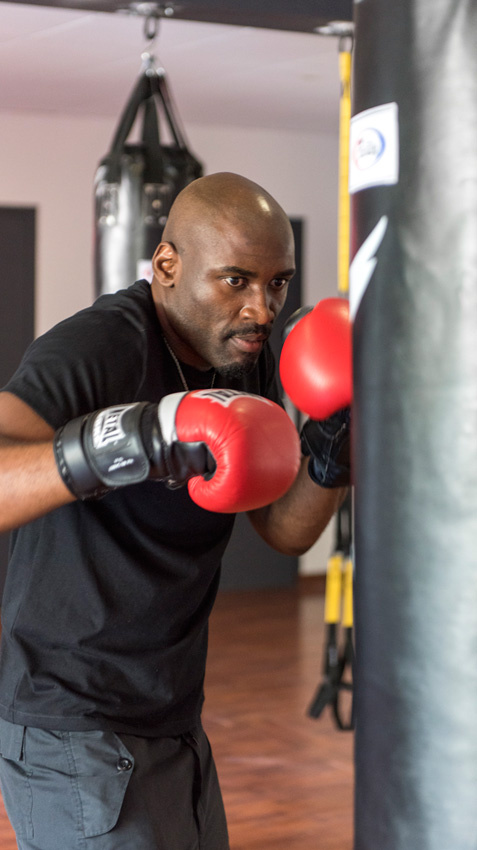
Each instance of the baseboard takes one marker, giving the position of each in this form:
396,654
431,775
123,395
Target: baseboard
312,585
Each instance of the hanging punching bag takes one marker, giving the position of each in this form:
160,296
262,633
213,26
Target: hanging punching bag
136,183
413,282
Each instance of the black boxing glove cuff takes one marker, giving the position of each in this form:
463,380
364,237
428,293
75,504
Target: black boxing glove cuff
327,442
76,473
102,451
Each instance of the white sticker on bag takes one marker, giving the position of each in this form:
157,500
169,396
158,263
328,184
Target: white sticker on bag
362,268
374,148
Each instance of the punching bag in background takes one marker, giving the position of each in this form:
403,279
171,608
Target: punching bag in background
413,294
136,183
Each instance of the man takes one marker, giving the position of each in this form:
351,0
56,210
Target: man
109,585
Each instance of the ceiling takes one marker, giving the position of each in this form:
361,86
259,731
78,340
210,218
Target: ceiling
248,63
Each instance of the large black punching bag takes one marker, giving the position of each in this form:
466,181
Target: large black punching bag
136,183
413,295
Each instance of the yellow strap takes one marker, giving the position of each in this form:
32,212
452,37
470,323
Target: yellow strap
339,572
343,166
334,572
347,621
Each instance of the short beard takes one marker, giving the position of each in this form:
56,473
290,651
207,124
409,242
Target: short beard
236,371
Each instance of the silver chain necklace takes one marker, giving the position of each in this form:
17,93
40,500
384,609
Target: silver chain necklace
178,367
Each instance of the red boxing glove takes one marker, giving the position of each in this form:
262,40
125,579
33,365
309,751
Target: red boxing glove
316,364
253,441
235,451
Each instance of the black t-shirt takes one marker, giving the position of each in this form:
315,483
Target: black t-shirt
107,601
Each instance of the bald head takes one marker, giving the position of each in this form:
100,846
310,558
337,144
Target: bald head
221,272
206,203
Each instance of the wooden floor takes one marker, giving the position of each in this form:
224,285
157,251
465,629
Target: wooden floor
287,780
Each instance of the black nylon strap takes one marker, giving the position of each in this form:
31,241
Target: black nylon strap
140,93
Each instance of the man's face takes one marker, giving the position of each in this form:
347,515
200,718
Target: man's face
229,290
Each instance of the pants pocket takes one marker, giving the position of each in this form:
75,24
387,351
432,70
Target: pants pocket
17,797
61,788
101,767
15,780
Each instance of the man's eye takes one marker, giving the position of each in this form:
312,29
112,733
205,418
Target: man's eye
279,282
234,281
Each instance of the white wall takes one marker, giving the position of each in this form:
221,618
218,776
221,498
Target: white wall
48,162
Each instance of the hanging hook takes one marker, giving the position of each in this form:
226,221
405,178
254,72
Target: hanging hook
344,30
151,32
152,12
151,27
345,43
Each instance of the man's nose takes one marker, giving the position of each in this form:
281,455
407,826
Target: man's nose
258,307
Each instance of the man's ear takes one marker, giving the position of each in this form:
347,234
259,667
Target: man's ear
166,264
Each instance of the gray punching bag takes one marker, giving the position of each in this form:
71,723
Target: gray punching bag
136,183
413,295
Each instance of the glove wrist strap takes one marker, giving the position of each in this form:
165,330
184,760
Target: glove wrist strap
327,442
76,473
328,474
102,451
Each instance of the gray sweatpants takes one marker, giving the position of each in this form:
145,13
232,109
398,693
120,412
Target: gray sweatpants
104,791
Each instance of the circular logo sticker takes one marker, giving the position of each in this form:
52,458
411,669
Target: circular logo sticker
368,148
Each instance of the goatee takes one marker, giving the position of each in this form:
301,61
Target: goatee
236,370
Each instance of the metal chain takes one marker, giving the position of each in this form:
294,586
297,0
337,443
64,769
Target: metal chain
178,367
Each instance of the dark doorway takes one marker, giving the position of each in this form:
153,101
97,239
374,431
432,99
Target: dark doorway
249,562
17,297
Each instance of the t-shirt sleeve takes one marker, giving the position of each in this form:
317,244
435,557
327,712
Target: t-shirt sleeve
92,360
